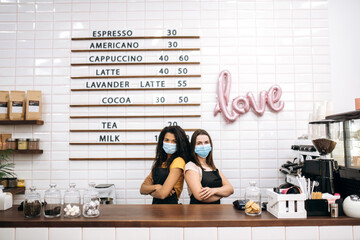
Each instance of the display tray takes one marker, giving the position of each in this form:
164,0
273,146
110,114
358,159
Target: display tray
224,215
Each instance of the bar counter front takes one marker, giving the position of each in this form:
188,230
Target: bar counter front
174,221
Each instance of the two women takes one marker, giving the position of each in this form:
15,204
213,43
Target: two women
165,181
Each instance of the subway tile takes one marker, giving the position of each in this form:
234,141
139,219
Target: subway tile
32,233
132,233
267,233
196,233
65,233
7,233
159,233
99,233
294,233
335,232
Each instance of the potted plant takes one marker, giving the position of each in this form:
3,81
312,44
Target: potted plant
6,167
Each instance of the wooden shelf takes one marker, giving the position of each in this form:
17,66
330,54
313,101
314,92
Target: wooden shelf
17,190
21,122
133,37
108,159
27,151
136,50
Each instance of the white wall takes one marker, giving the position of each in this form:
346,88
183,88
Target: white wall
344,32
260,42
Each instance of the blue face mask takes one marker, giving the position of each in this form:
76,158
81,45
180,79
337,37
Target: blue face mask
169,148
203,150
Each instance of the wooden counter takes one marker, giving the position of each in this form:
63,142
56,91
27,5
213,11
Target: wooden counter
168,216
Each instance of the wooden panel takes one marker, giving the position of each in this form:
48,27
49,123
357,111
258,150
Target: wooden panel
122,130
17,190
21,122
224,215
140,37
141,76
136,50
108,143
135,105
135,63
134,89
28,151
149,116
108,159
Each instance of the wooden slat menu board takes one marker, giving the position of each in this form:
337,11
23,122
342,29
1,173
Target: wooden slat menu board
121,81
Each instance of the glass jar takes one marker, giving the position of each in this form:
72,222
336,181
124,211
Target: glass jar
32,203
91,203
22,144
33,143
11,143
52,202
72,202
253,200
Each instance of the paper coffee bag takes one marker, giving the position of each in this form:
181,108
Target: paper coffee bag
33,105
17,105
4,137
4,105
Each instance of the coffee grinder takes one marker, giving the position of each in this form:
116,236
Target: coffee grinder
322,169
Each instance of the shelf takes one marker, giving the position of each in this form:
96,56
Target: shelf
17,190
21,122
345,116
27,151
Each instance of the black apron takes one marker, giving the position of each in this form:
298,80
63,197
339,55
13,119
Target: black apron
209,179
159,177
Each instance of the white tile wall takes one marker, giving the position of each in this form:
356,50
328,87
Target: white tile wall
159,233
32,234
98,233
260,42
200,233
335,232
65,233
7,233
221,233
311,233
268,233
132,233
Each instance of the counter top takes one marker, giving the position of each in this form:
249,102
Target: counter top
224,215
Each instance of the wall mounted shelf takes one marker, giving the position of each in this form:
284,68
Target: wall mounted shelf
21,122
39,151
17,190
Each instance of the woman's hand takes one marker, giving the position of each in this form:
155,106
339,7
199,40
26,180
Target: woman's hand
158,186
207,192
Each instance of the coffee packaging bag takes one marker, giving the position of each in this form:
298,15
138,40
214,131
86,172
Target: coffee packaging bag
17,105
4,105
33,105
4,137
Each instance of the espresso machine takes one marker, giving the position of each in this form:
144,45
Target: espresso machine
323,169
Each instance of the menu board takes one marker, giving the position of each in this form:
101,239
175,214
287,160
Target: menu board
119,78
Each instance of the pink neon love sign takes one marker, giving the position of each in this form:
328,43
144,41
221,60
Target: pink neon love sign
241,104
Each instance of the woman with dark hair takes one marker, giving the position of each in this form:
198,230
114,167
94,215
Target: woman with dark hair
166,179
206,184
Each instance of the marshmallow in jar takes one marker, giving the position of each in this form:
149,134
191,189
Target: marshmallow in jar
72,202
91,204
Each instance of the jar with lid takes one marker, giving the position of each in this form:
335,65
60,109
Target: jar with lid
22,144
72,202
11,143
33,143
32,203
52,202
91,203
253,200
